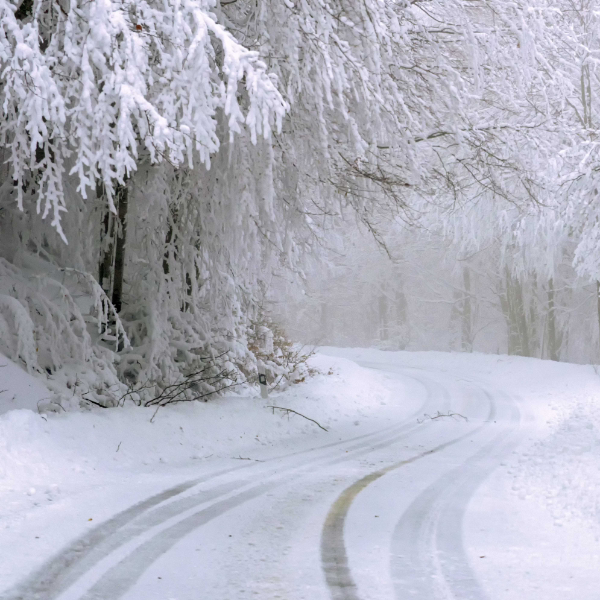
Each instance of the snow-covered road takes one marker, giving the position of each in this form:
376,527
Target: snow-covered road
422,507
370,516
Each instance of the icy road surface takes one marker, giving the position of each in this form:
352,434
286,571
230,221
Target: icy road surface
412,509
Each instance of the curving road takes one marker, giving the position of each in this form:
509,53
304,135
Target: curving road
376,516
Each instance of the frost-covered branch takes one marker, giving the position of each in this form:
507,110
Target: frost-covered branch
93,90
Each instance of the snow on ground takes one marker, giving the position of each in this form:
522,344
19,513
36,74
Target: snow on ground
44,452
63,465
560,404
61,473
545,497
19,390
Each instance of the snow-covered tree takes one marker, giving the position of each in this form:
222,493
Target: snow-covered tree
188,151
115,110
91,88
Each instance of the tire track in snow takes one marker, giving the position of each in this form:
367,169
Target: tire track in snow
428,555
114,583
79,557
63,570
334,558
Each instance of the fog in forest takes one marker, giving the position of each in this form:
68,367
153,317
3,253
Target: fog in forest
417,290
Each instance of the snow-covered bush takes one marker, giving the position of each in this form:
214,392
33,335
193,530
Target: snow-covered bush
46,327
284,362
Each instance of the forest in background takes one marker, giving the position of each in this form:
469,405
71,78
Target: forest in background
429,295
174,173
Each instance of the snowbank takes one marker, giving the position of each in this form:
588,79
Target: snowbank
18,389
42,454
62,472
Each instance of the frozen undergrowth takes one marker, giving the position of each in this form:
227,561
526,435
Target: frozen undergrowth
60,326
43,456
50,323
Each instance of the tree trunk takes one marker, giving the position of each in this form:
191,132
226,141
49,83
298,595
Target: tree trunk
553,346
383,316
520,318
401,307
168,238
402,326
107,234
112,246
504,296
513,307
324,322
122,196
467,313
598,307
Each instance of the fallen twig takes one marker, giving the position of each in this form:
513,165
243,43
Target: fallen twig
187,389
93,402
152,419
53,402
439,415
289,410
